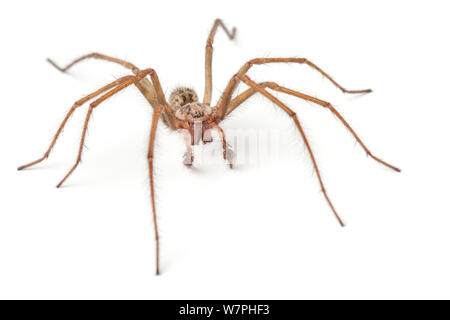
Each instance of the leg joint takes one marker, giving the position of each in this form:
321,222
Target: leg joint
271,85
145,72
238,76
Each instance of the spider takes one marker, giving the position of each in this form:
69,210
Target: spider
194,119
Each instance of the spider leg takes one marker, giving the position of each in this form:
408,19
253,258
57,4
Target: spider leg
148,90
227,152
95,103
292,114
274,86
99,56
233,83
156,114
242,97
76,105
208,58
328,105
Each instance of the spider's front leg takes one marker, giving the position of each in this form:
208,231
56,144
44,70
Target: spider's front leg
224,100
75,106
131,80
208,57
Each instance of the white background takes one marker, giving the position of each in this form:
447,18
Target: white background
262,230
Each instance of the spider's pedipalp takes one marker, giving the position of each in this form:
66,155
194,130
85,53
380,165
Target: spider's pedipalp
194,115
228,153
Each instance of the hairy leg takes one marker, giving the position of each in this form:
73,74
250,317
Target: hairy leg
150,91
156,114
208,58
272,85
241,98
94,55
233,83
76,105
328,105
94,104
292,114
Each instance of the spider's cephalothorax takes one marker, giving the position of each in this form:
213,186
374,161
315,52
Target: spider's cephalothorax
185,113
182,96
196,115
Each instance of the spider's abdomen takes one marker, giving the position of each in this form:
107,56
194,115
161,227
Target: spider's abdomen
193,111
182,96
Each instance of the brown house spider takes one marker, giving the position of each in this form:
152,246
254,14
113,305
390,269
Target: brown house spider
195,119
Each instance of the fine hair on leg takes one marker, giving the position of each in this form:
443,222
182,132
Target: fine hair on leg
76,105
208,57
274,86
94,104
225,98
292,114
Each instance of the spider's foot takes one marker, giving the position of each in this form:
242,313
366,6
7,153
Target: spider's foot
59,185
31,163
22,167
357,91
55,65
188,159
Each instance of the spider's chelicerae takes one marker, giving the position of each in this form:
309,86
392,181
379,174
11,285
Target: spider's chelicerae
185,113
